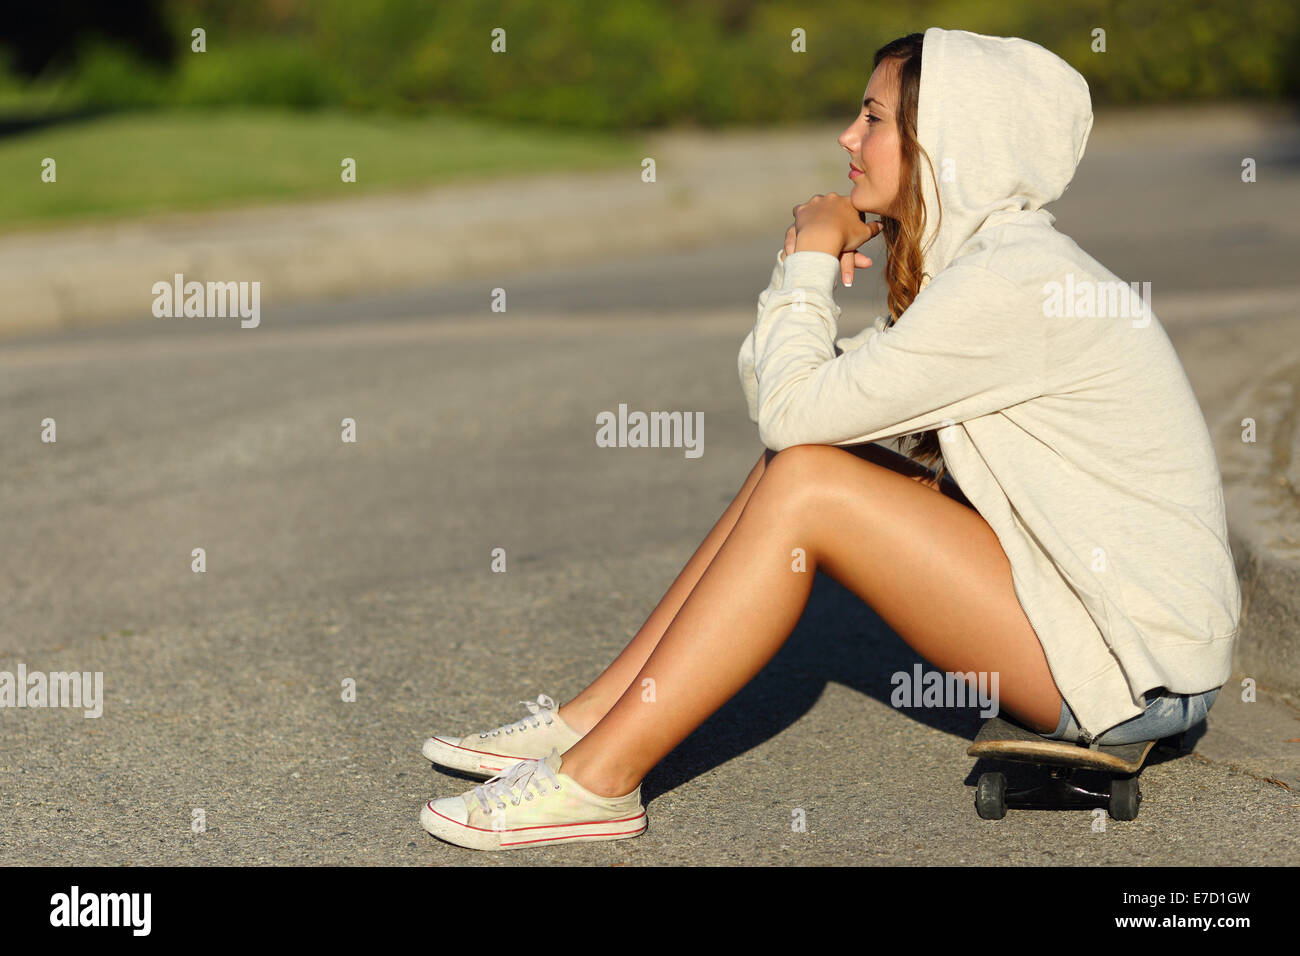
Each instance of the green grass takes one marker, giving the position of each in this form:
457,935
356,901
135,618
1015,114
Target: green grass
135,164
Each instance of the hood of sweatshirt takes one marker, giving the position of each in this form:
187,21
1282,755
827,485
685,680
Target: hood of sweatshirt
1005,123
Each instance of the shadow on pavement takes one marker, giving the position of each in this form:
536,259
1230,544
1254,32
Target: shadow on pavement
839,640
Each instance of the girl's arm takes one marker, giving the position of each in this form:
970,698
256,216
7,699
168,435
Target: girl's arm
745,361
970,344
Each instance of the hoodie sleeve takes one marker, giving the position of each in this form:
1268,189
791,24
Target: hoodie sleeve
970,344
745,361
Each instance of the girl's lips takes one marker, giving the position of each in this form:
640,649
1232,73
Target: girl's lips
854,172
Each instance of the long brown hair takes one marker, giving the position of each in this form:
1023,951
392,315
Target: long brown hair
903,232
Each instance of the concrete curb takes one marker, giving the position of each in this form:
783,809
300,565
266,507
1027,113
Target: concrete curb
1261,482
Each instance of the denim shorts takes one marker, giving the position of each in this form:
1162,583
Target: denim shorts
1166,714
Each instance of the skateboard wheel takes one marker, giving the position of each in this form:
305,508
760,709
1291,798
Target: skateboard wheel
991,796
1124,798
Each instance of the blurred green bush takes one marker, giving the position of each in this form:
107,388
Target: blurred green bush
630,64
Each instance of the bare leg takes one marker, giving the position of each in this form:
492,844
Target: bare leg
930,567
586,710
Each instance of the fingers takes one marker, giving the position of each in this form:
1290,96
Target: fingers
849,262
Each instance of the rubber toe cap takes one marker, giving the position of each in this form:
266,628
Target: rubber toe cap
453,808
431,746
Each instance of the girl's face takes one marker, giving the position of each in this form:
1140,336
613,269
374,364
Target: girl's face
873,143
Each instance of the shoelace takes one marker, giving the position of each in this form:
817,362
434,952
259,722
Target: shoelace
517,777
543,703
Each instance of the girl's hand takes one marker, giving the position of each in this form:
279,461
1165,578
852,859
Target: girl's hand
829,223
848,262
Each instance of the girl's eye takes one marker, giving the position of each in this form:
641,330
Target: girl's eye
872,119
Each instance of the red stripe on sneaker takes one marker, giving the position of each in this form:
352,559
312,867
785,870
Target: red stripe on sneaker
471,750
571,837
551,826
540,826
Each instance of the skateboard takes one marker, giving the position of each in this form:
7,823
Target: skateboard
1001,739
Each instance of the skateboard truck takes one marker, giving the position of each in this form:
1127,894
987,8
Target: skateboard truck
1001,739
1058,792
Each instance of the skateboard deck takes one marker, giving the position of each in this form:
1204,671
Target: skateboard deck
1000,739
1003,740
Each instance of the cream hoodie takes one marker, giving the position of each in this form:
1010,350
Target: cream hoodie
1063,411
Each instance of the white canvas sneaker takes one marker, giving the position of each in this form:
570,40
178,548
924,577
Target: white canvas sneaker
529,804
485,754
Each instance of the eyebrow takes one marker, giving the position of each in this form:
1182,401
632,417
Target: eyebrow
871,99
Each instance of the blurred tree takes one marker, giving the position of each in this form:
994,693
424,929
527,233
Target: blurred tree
607,64
50,33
